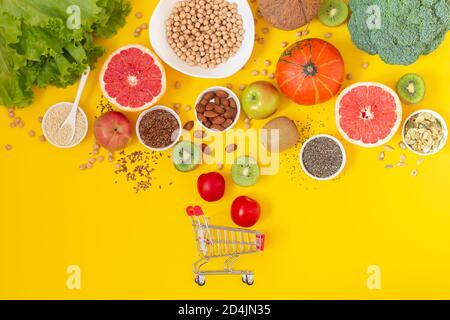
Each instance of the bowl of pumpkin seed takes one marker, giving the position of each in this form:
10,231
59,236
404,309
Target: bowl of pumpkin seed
425,132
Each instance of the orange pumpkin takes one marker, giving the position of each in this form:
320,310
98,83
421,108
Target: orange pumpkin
310,72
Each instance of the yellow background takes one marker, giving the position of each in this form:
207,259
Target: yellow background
321,237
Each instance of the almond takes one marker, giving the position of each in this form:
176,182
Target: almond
221,94
201,117
227,123
188,125
208,96
224,102
232,103
219,109
217,127
210,106
204,102
210,114
200,108
218,120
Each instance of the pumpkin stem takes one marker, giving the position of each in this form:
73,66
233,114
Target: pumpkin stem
310,69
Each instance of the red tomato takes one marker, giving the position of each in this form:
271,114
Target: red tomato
245,211
211,186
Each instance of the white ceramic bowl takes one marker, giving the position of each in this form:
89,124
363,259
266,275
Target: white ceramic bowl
444,127
231,94
44,120
158,40
138,122
344,157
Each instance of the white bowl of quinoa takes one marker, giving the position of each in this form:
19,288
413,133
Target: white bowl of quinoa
57,135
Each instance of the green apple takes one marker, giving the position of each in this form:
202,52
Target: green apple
260,100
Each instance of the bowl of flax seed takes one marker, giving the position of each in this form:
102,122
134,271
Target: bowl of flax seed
158,128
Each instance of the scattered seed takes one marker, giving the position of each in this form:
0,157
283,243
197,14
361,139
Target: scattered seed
8,147
100,158
10,110
42,138
110,154
402,157
365,65
95,151
96,146
82,167
139,15
265,30
110,159
414,173
31,133
255,73
389,166
177,85
230,148
420,161
242,87
247,119
267,63
206,149
305,32
349,76
402,145
299,34
328,35
137,30
388,148
382,156
284,44
177,106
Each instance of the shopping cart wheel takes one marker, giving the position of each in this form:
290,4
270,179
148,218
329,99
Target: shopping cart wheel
200,280
250,279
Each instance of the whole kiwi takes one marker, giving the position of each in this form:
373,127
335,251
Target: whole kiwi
288,134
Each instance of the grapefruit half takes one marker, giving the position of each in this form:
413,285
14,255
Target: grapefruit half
133,78
368,114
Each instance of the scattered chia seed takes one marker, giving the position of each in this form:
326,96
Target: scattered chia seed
322,157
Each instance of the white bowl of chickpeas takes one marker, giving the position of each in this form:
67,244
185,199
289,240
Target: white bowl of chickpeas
203,38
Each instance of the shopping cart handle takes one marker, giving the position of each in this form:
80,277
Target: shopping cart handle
190,211
198,211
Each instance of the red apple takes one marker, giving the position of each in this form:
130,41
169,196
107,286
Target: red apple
245,211
112,130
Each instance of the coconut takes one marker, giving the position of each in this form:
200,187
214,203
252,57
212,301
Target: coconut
289,14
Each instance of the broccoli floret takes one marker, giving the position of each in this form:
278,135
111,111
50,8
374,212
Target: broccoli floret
407,29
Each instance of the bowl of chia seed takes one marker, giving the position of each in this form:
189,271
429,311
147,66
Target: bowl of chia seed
323,157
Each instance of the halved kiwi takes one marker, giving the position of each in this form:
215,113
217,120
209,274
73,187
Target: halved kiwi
411,88
186,156
333,13
245,171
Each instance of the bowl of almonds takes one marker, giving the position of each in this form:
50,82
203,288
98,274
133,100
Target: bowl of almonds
217,109
425,132
203,38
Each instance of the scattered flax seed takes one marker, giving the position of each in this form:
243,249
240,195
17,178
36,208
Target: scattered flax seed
255,73
267,63
382,156
328,35
272,76
365,65
414,173
284,44
420,161
402,145
177,85
242,87
42,138
389,166
230,86
31,133
349,76
82,167
388,148
8,147
139,15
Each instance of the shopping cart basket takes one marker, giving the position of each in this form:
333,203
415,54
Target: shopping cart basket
222,242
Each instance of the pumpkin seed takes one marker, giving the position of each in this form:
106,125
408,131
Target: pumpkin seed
382,156
388,148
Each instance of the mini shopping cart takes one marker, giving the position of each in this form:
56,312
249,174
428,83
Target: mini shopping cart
222,242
